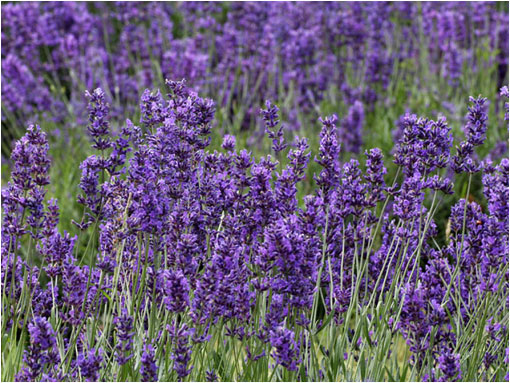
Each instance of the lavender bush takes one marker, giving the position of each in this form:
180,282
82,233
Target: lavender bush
339,212
296,54
194,264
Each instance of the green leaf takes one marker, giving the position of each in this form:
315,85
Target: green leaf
365,333
325,323
391,378
362,365
106,295
402,377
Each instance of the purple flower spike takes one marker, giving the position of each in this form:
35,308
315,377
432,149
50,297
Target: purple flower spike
477,121
286,348
474,130
148,368
229,142
351,128
42,353
124,328
99,127
329,151
504,93
90,364
449,365
271,121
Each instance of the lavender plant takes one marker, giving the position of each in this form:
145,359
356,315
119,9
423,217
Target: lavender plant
240,54
206,265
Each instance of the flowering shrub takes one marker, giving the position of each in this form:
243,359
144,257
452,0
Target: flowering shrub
241,53
205,265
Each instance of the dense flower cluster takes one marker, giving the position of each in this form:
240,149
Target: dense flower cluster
41,355
240,53
199,250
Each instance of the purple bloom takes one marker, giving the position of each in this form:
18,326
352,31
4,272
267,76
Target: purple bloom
24,194
205,237
210,376
449,365
286,184
176,290
148,368
351,128
124,327
350,197
90,183
474,130
42,353
504,93
121,147
495,184
408,202
286,251
51,218
477,121
181,354
425,145
89,364
271,121
41,333
329,151
152,109
462,161
303,59
493,328
375,171
286,348
99,127
438,183
224,289
55,250
229,142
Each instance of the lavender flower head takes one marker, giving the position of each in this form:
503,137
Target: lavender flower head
41,333
408,203
152,108
286,348
99,127
329,151
271,121
181,354
424,146
449,365
229,142
42,352
375,175
504,93
124,328
176,288
31,161
89,364
477,121
351,128
210,376
474,130
24,194
148,368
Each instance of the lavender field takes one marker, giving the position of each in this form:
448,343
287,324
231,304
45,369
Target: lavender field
249,191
